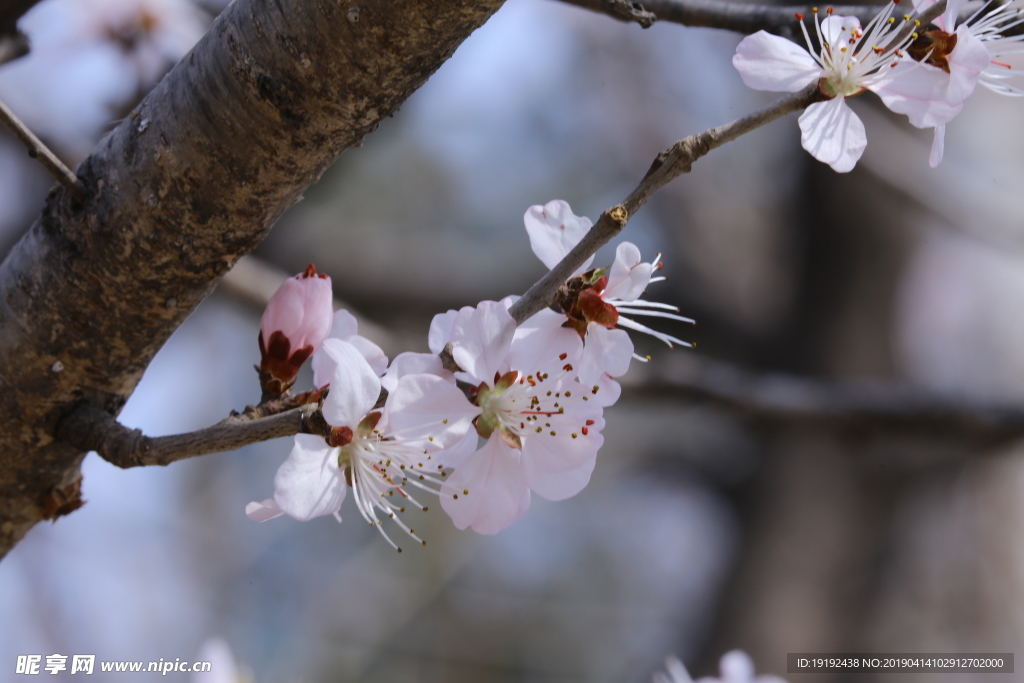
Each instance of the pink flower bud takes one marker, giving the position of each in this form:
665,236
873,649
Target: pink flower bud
294,325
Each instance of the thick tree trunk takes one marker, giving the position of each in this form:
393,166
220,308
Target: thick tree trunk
193,179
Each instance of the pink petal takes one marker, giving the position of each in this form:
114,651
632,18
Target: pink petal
309,483
456,454
833,134
628,277
539,343
409,363
605,352
768,62
481,338
554,230
355,387
968,59
262,511
559,485
426,405
301,309
498,493
551,454
919,91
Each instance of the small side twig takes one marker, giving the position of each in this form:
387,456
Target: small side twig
668,165
89,427
37,150
740,17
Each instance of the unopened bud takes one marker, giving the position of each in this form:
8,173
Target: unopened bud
294,325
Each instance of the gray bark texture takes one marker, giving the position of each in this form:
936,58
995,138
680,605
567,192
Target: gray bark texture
192,180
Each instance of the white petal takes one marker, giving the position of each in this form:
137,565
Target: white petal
309,483
455,455
355,387
968,59
628,277
344,325
558,485
262,511
481,339
736,667
540,341
561,453
426,405
938,146
605,351
919,91
373,354
554,230
441,330
410,363
768,62
833,134
498,493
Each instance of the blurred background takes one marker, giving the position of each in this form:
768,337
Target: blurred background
706,526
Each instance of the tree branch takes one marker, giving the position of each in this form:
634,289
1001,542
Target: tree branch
37,150
189,182
89,427
668,165
873,407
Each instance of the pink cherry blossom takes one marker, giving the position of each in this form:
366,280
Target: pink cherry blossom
294,325
851,61
597,305
541,426
377,454
980,54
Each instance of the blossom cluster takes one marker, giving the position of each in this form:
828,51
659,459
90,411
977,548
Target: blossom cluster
924,72
495,413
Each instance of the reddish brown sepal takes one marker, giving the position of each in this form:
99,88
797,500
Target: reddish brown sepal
278,365
933,46
340,436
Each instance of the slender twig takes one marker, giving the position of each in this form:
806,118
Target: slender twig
37,150
730,16
12,46
89,427
674,161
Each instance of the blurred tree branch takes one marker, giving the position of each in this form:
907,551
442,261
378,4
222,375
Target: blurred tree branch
865,407
192,180
13,43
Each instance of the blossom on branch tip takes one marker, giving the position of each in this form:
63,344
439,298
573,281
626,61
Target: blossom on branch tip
294,325
380,454
594,303
541,427
975,51
851,60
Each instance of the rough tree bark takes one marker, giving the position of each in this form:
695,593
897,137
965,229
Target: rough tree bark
193,179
